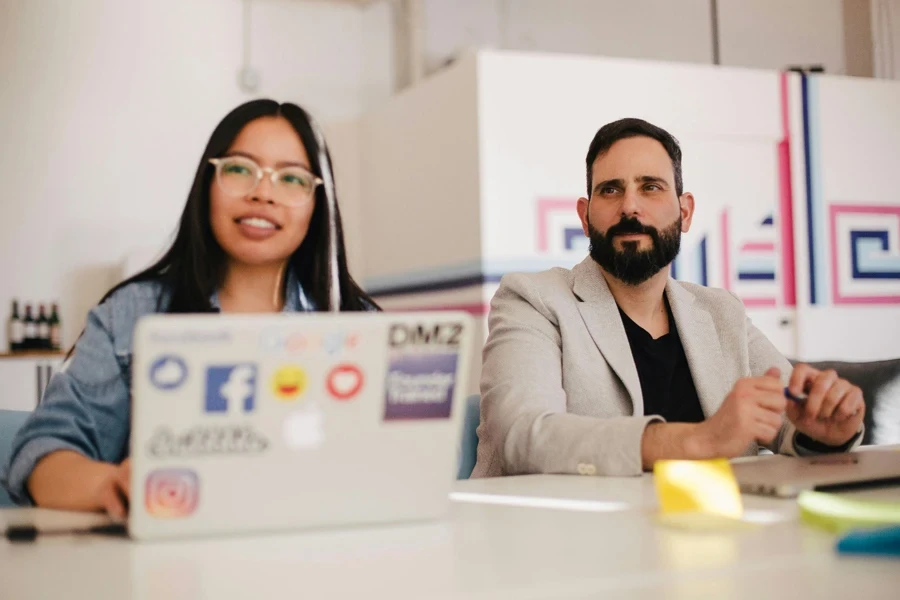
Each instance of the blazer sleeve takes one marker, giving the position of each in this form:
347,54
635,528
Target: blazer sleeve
524,424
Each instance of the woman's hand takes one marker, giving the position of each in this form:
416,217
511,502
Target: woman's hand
114,490
67,480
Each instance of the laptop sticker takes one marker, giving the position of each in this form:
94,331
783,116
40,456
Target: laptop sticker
168,372
431,336
230,388
172,493
278,340
344,381
289,383
305,429
420,386
332,343
203,440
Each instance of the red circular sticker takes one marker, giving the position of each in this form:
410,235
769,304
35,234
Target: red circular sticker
344,381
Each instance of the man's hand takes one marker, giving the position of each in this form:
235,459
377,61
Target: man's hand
752,412
834,407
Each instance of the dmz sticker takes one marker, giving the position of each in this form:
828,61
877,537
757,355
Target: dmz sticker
436,337
168,372
230,388
420,386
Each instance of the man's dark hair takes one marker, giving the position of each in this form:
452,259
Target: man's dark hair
611,133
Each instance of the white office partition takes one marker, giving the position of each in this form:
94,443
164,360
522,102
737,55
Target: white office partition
538,114
476,172
420,201
848,220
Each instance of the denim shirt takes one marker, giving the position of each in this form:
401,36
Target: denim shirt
87,404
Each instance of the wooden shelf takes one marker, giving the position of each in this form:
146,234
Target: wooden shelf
33,354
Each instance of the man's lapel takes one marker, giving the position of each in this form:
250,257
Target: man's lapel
701,347
601,317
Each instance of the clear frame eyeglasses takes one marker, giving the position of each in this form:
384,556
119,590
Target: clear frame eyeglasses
240,176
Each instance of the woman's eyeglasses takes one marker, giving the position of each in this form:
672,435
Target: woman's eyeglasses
240,176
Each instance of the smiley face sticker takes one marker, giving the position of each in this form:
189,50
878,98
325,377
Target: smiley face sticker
289,383
344,381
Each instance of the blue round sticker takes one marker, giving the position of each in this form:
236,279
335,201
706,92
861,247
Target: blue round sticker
168,372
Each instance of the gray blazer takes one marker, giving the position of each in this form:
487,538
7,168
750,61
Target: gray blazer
560,391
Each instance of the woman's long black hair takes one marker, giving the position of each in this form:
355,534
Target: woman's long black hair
194,266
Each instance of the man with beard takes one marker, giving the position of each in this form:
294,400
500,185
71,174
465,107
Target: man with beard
610,366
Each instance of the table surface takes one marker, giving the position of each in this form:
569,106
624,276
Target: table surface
540,536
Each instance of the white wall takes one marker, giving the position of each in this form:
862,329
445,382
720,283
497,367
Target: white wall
772,34
106,106
378,66
678,31
718,112
420,176
886,38
343,139
753,33
653,29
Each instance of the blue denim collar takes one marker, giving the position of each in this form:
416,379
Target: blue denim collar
295,299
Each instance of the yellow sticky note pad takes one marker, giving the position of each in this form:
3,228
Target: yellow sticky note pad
707,487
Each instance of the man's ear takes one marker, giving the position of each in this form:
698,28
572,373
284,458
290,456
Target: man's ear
687,210
582,207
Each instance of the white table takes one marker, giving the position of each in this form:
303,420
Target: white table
491,549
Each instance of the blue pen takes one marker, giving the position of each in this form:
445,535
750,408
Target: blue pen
793,398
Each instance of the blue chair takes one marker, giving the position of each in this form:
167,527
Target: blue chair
10,422
469,444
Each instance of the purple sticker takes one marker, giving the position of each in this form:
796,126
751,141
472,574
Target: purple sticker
419,386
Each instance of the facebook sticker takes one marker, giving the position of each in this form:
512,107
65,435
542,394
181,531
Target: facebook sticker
231,388
420,386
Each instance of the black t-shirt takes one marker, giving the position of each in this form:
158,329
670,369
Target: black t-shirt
666,381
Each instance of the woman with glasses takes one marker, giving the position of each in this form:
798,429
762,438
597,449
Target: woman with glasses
259,233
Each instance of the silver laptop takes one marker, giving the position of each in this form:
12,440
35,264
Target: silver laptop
786,476
266,423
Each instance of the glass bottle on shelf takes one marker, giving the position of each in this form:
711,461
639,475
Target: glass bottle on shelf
30,333
43,326
15,329
55,328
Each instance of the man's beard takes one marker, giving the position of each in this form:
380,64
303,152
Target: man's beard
631,265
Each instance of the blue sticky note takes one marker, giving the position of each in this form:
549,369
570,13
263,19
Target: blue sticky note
883,542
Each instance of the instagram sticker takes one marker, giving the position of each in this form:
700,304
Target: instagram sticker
172,493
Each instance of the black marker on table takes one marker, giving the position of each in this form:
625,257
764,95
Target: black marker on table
29,533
